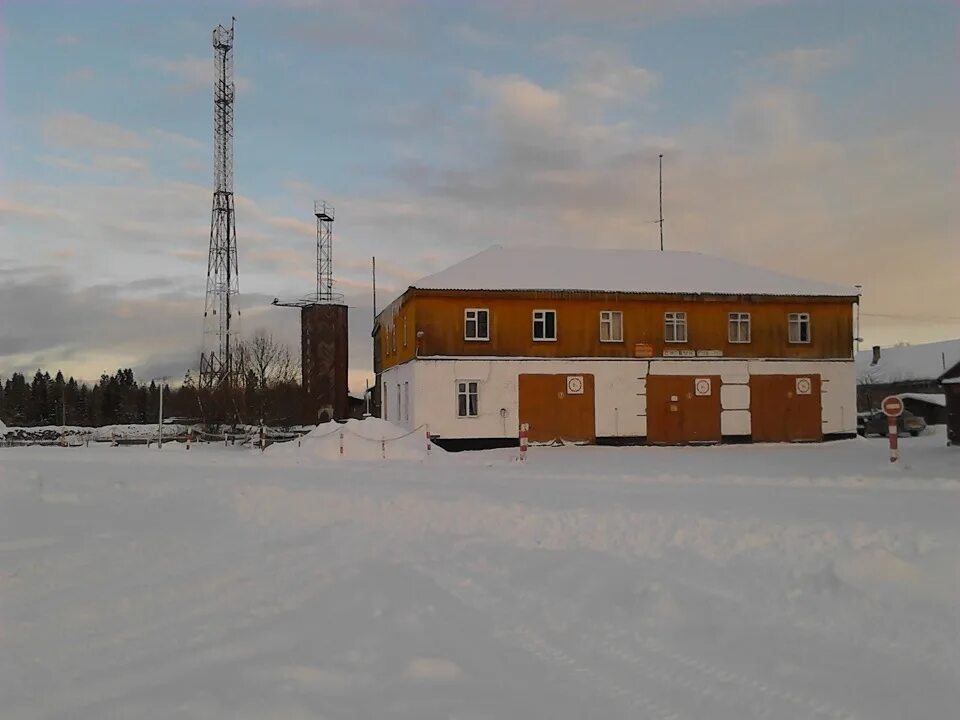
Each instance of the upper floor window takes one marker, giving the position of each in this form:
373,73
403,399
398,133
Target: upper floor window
675,327
611,326
468,397
544,324
798,325
476,324
738,327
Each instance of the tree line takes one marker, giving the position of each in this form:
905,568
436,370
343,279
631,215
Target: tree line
267,387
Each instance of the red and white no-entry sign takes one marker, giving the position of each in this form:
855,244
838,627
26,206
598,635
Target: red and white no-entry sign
893,408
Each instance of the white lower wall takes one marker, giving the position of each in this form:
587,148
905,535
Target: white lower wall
393,395
620,387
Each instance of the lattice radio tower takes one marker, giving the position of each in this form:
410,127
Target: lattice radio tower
217,362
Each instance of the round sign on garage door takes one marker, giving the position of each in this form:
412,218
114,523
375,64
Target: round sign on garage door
574,384
804,386
702,386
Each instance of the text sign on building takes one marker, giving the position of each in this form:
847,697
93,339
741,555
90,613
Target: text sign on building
679,353
892,406
643,350
709,353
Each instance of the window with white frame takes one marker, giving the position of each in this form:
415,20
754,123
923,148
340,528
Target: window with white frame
798,325
738,327
611,326
544,325
468,398
399,404
406,402
675,327
404,330
383,401
476,324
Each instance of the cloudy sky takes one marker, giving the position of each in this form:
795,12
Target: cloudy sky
816,137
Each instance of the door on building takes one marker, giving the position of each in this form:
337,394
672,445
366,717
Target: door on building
785,408
558,407
683,409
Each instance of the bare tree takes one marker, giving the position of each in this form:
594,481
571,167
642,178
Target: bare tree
267,362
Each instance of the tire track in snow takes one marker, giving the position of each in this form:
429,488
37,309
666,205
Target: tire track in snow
704,679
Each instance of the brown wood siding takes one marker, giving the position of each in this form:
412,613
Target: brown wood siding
440,316
779,414
676,415
554,414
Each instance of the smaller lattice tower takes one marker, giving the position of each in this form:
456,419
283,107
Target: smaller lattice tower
324,214
323,333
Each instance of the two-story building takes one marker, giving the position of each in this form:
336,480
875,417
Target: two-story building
618,347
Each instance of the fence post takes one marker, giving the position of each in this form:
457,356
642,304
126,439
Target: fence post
189,438
341,443
263,437
524,429
383,449
427,433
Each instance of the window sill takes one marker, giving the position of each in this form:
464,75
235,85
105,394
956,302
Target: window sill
615,342
486,339
677,342
544,339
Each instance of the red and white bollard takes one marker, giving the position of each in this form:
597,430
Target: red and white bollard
892,407
341,443
429,443
892,433
189,438
524,430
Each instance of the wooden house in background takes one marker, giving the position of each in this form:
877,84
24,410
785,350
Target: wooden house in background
909,371
617,346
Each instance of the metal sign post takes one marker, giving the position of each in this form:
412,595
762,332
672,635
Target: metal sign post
893,408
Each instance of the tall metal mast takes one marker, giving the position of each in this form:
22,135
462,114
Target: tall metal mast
217,364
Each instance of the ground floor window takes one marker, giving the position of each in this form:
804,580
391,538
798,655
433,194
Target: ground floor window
468,396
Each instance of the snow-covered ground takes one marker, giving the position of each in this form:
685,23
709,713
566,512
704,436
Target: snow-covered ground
719,583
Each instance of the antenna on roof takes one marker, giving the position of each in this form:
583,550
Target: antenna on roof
660,221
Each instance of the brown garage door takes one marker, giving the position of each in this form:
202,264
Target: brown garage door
683,409
558,407
785,408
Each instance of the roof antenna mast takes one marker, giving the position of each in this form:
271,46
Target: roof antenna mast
660,221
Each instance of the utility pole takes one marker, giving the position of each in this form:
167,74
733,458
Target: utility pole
163,381
661,202
857,339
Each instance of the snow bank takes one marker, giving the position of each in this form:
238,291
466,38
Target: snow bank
368,439
3,428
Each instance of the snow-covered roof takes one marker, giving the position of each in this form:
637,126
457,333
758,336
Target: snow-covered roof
931,398
907,363
630,271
